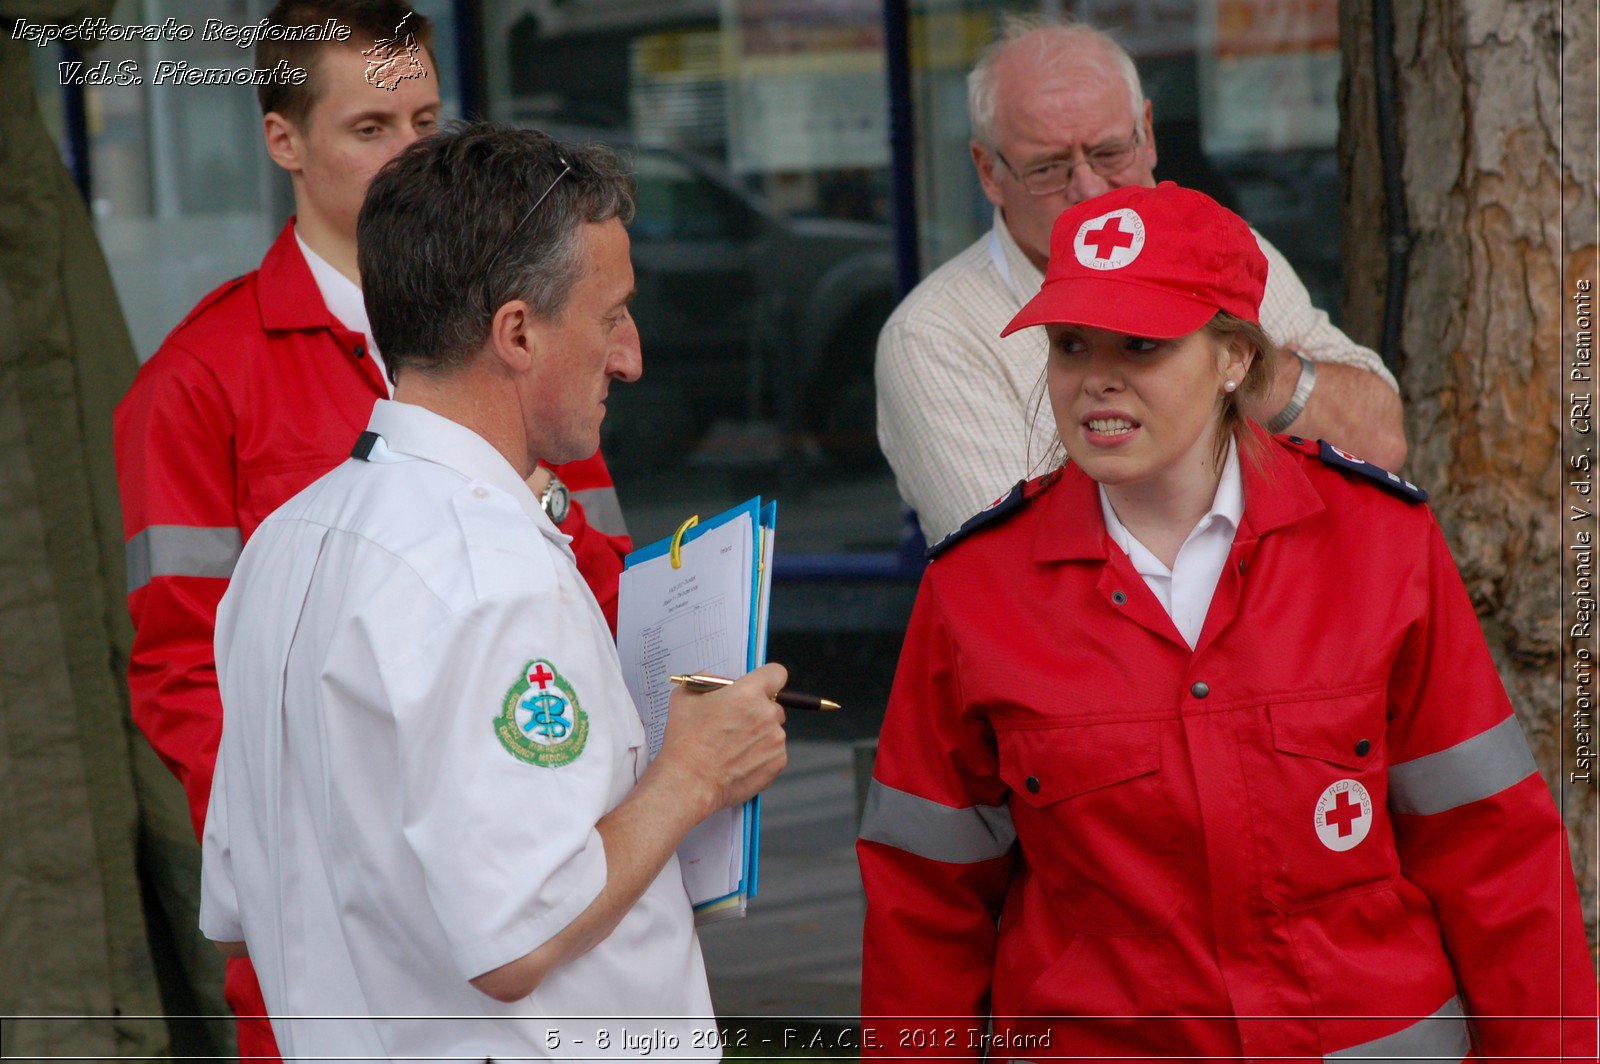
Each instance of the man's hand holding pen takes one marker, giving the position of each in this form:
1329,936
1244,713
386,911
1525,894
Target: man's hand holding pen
700,683
730,741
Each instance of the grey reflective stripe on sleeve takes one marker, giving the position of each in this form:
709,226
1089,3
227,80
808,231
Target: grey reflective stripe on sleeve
938,832
179,550
603,510
1485,764
1442,1036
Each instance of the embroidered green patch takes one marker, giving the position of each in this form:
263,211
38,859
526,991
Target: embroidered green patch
540,721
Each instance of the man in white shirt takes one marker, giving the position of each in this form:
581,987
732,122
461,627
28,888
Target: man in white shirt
1058,117
433,797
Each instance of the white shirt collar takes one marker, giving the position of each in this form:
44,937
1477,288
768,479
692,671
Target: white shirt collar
344,301
1186,590
1020,274
416,431
1227,508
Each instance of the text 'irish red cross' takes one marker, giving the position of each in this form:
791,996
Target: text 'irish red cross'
541,676
1344,814
1108,238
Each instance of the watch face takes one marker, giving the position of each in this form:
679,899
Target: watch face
555,501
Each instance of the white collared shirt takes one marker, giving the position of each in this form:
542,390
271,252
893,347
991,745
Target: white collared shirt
391,815
345,302
1185,590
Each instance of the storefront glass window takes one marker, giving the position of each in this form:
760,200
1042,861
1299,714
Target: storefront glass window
758,133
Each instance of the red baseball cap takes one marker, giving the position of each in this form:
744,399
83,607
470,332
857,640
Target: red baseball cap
1155,262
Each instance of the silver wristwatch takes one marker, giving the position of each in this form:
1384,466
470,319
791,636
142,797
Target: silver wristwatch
555,500
1297,402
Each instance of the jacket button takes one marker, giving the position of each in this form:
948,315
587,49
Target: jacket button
1200,690
1362,747
1119,597
361,351
1032,783
1296,439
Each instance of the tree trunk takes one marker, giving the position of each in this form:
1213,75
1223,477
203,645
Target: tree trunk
1495,113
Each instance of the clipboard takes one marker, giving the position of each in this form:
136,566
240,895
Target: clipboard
698,601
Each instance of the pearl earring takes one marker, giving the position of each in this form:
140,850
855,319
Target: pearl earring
1229,386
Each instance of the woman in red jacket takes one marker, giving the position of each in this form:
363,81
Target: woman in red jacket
1195,748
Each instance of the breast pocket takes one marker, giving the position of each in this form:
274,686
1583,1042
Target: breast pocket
1094,823
1320,801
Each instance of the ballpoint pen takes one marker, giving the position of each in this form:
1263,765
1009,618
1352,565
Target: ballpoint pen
700,683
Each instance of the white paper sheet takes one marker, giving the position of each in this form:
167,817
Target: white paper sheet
679,621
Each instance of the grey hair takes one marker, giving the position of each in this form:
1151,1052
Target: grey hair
470,218
544,277
1047,35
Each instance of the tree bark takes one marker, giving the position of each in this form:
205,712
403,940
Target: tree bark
1496,129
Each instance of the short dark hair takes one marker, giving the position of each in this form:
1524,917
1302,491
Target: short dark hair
445,237
369,21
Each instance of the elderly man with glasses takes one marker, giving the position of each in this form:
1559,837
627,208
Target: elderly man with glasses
1058,117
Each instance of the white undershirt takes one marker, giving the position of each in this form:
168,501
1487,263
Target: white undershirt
1185,590
343,297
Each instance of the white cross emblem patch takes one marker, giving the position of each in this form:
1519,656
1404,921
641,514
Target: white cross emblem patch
1343,816
1110,241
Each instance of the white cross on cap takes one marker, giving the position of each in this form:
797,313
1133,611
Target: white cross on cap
1110,241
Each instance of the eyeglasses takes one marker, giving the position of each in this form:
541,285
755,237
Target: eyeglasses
1108,160
512,236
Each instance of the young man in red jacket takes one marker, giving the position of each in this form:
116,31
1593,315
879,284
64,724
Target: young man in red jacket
268,382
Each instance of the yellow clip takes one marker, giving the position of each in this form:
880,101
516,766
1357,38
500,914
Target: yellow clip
676,554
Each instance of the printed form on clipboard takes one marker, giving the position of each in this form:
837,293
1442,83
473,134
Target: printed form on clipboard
697,601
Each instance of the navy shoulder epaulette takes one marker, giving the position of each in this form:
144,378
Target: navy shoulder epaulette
1349,463
1019,496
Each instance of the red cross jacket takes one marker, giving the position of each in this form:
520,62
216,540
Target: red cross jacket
257,393
1318,832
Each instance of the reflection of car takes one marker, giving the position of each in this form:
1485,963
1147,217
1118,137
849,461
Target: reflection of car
745,315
